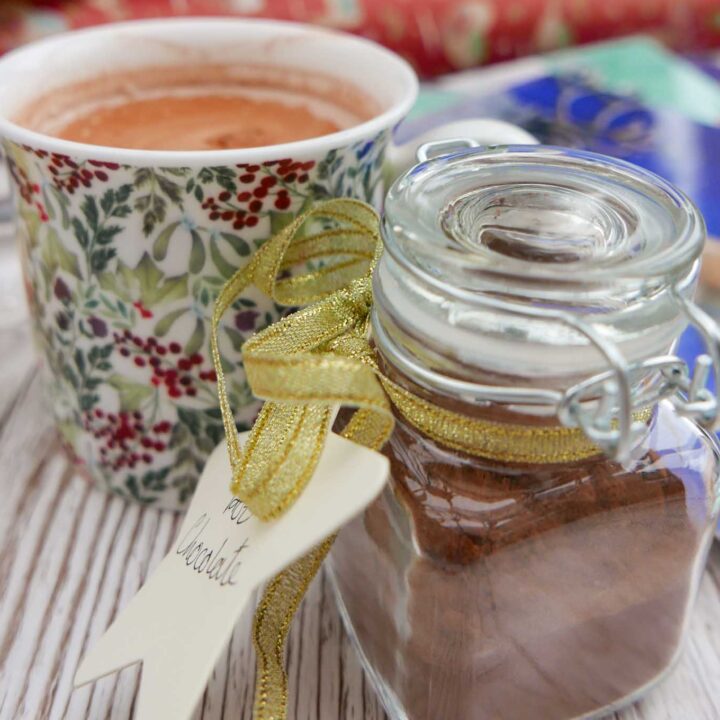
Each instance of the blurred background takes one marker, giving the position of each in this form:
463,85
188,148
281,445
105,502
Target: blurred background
437,36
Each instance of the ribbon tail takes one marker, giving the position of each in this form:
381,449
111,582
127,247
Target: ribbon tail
273,617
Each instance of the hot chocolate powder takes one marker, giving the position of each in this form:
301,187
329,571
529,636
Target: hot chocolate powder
486,591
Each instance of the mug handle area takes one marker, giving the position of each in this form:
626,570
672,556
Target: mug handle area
452,136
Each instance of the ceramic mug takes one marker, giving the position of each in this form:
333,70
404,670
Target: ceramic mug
124,251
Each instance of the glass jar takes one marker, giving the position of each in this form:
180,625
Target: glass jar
534,289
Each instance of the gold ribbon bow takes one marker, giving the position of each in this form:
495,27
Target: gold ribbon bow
309,363
304,365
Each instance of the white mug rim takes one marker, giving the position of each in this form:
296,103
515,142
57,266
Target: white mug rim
300,149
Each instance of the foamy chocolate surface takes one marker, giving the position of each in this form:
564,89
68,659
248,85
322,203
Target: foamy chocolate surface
203,122
199,108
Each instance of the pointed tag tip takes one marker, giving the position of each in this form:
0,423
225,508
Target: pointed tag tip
90,669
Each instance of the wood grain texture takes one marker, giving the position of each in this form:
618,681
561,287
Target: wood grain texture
71,557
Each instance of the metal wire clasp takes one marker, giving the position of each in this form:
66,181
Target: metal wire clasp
604,405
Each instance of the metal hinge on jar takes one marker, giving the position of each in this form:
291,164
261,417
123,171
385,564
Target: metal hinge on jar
603,405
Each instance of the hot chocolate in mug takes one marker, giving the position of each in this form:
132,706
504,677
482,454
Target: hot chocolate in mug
124,250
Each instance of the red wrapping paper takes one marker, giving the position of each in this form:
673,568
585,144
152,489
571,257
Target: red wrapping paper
437,36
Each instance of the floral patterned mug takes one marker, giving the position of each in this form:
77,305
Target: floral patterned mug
124,251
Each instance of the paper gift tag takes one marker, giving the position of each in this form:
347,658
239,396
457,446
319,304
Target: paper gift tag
181,619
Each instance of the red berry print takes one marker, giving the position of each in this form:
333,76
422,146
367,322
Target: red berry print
126,439
144,312
167,370
282,202
69,175
262,189
29,192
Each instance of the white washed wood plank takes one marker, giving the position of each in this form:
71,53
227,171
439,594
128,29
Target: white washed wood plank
17,364
24,442
108,515
38,596
59,619
22,546
101,605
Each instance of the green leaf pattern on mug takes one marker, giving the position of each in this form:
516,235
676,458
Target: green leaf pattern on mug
122,267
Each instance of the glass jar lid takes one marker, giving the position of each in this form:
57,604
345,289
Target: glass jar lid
541,221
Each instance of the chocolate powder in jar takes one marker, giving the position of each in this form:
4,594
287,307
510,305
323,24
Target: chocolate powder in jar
480,590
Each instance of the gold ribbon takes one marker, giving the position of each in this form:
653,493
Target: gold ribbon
306,365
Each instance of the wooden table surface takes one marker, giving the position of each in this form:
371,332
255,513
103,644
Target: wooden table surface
71,557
